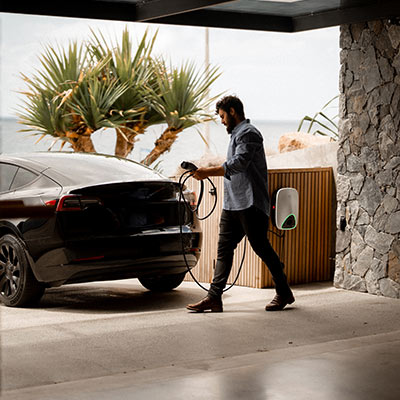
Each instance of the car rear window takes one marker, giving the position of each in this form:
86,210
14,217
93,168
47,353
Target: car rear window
90,169
7,174
22,178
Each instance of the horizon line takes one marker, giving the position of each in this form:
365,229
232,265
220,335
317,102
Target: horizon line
251,119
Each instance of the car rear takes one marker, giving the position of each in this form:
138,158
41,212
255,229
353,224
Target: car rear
116,229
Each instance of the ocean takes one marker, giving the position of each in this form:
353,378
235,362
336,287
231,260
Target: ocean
189,145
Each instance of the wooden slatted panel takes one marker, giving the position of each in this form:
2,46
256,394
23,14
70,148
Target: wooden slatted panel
306,251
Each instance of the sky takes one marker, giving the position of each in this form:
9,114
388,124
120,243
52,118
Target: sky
278,76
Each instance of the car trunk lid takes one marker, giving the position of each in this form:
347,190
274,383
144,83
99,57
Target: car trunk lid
121,209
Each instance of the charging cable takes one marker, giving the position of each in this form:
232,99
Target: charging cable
190,168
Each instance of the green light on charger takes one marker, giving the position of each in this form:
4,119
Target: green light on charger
290,222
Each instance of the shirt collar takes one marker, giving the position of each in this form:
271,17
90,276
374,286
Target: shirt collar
239,125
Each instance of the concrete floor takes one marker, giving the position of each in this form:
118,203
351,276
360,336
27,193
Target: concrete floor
115,340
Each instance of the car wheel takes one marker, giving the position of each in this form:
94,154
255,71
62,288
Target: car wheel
162,283
18,286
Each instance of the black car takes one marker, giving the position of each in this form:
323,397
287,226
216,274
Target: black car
74,217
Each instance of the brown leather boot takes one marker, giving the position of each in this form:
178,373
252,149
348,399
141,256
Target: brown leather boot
279,302
208,303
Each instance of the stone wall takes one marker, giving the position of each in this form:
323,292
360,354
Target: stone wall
368,181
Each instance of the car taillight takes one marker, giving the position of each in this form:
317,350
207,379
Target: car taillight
69,203
73,203
190,198
51,203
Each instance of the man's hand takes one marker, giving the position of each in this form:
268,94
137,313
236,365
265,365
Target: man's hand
203,173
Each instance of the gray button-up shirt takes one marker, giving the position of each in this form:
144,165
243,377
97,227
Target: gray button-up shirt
246,179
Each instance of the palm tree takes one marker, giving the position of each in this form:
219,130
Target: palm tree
87,87
91,102
182,101
136,70
72,97
43,111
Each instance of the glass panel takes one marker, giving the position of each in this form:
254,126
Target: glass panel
22,178
7,173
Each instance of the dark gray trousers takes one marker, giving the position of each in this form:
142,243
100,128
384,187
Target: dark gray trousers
253,223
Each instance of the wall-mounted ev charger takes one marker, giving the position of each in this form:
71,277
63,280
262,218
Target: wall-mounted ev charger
285,208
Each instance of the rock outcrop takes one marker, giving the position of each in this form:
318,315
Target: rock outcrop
300,140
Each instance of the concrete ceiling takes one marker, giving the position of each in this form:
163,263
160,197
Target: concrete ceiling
264,15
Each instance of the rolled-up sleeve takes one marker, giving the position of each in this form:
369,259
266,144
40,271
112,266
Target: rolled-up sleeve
247,143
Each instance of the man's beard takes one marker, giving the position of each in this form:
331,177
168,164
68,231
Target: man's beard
231,123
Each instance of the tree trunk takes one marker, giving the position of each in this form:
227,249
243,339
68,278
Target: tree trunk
162,145
81,142
124,147
120,145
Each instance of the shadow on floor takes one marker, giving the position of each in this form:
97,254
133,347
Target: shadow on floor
131,296
115,298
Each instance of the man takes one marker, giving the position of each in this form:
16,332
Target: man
246,207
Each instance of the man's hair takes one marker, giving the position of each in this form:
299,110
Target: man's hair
228,102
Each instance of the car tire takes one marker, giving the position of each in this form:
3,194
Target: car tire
162,283
18,285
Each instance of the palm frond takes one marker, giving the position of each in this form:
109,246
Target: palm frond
41,114
93,101
60,67
183,101
129,67
327,123
184,94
